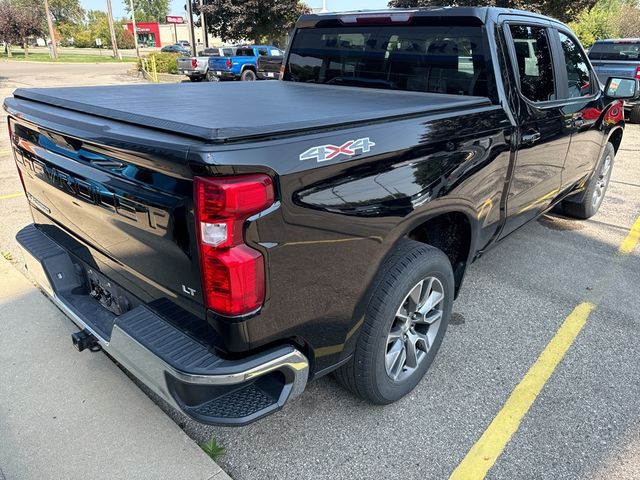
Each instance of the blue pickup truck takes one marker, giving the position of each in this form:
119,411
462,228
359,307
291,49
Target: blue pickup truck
618,57
244,64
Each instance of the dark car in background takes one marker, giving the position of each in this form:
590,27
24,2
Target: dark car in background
618,57
177,48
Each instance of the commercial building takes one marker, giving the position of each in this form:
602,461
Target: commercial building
154,34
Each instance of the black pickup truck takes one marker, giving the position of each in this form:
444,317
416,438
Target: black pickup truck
316,224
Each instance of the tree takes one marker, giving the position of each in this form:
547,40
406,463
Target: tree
594,23
66,11
148,10
627,21
256,20
97,26
18,24
564,11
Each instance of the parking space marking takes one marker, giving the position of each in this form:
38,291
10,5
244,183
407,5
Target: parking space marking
11,195
486,451
631,240
489,447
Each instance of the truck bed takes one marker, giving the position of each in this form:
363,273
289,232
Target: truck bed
220,113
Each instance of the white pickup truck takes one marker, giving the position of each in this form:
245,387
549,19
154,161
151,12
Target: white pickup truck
197,68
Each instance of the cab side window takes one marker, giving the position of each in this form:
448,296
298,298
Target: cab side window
535,67
578,75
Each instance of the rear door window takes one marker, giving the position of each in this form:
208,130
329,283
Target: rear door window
245,52
578,73
439,59
616,51
533,59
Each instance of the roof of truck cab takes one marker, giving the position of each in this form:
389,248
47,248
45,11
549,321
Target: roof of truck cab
484,14
221,112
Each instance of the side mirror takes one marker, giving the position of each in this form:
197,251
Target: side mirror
622,88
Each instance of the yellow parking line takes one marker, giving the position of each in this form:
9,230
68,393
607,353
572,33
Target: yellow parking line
485,452
489,447
631,240
11,195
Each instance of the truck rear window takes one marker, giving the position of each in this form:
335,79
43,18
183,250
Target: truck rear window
417,58
625,51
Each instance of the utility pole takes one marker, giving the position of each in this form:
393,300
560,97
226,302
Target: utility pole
203,25
54,48
135,28
192,34
112,30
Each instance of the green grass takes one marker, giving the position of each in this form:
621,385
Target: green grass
67,58
212,449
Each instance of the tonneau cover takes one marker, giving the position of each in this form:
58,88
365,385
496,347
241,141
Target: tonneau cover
225,111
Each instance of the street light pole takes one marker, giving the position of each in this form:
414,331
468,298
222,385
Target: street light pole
54,48
112,30
191,32
135,28
203,25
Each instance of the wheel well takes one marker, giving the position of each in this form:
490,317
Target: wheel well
451,233
249,67
615,139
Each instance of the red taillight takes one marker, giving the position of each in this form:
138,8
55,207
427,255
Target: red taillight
638,73
233,275
194,62
229,63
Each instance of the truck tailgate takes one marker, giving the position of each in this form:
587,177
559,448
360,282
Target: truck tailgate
185,64
219,63
118,210
605,69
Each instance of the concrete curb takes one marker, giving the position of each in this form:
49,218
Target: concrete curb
65,415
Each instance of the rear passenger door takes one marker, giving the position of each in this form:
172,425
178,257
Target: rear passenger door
544,129
578,86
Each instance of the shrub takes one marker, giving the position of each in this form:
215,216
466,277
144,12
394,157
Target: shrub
165,62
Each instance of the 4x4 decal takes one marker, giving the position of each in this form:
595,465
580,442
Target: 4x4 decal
322,153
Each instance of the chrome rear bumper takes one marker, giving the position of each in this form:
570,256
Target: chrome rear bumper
184,372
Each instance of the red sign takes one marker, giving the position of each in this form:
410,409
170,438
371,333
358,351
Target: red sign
174,19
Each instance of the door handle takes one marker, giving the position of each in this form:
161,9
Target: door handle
530,138
578,122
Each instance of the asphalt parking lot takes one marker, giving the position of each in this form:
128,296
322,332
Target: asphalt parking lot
585,422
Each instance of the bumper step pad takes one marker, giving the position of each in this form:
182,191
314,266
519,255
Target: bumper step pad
183,370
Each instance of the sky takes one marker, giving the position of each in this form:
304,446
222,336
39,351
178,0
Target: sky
177,6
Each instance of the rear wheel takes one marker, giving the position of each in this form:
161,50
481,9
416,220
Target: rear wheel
594,193
634,116
404,324
211,77
248,76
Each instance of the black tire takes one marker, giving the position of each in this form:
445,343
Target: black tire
634,116
195,79
211,77
248,76
366,374
588,205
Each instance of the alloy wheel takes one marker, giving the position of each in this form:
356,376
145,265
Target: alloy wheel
414,328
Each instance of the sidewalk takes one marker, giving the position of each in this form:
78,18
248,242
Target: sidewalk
69,415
